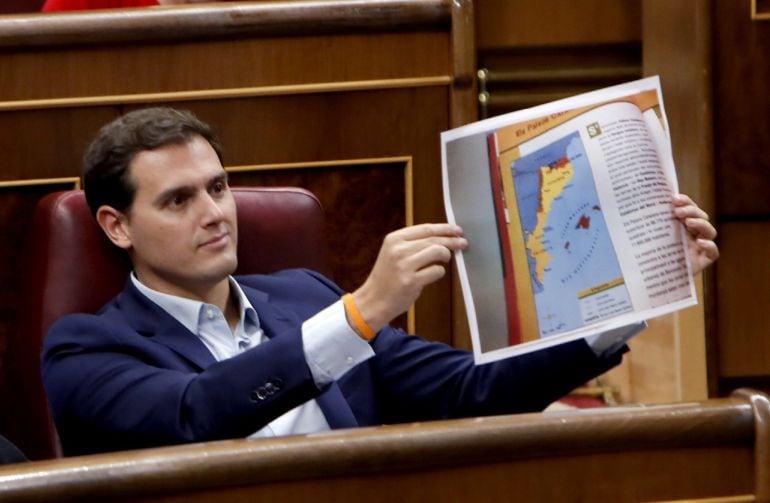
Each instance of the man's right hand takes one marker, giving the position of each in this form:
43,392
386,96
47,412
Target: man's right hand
409,259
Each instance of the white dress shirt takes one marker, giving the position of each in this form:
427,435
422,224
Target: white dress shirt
331,347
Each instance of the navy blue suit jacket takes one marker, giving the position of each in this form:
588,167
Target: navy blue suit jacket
131,376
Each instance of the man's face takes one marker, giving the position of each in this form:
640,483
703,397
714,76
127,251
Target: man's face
181,229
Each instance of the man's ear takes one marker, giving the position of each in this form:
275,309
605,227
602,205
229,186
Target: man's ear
114,224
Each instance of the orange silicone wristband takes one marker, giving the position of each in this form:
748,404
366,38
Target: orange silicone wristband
360,326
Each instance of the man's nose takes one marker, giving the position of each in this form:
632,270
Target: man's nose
211,210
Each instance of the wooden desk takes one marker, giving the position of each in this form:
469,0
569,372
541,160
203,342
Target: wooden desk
713,449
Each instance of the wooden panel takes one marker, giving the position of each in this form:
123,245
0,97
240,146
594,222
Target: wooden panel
536,480
673,349
742,132
713,60
741,109
502,23
743,279
536,52
654,453
229,65
677,44
521,76
45,143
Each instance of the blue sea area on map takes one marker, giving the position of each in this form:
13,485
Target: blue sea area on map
575,237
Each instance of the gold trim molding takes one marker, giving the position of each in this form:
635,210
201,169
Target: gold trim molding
231,93
741,498
38,182
760,10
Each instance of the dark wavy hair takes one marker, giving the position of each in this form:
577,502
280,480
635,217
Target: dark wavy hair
106,174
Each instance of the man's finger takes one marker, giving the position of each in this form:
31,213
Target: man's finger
709,248
422,231
700,228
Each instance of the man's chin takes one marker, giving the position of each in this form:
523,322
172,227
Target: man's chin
228,267
218,269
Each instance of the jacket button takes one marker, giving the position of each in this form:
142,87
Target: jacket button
258,394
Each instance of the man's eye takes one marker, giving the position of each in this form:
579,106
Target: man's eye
177,201
218,187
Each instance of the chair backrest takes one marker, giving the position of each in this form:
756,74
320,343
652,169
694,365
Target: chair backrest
72,267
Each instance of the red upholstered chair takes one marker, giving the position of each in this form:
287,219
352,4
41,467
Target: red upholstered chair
72,267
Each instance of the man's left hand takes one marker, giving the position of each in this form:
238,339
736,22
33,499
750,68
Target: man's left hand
700,233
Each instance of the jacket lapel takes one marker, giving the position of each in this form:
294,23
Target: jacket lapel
151,321
273,320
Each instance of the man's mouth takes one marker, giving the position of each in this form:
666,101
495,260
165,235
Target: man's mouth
217,241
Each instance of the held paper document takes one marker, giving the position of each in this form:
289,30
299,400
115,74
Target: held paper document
567,209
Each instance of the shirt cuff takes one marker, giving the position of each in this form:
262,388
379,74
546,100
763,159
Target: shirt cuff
331,347
610,341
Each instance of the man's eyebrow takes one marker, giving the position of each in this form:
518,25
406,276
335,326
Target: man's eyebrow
221,177
168,194
182,190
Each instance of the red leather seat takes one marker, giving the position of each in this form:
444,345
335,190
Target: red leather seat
72,267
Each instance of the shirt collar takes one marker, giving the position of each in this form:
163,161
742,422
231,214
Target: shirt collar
248,315
188,312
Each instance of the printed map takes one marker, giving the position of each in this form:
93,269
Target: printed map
569,251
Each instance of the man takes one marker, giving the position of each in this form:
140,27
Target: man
188,353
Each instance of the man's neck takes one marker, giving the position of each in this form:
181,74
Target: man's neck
217,293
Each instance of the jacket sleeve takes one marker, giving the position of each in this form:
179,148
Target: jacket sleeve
111,390
411,379
419,380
